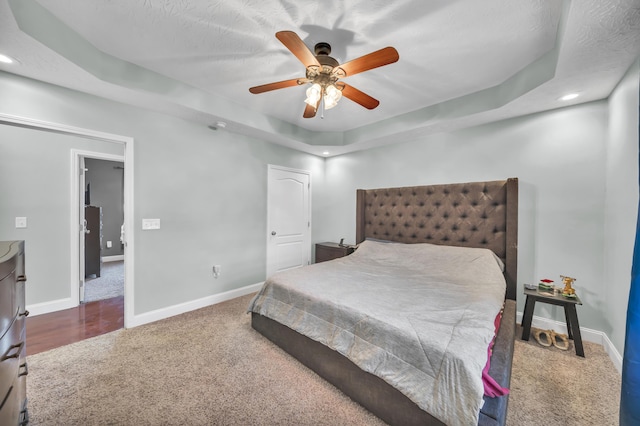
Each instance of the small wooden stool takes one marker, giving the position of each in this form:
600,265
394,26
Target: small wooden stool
570,314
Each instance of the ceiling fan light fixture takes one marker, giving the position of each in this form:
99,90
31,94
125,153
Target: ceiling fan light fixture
323,72
331,96
313,94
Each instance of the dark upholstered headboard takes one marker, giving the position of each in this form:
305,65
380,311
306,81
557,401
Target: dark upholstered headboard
476,214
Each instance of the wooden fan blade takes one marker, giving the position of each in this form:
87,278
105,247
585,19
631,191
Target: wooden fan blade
276,85
376,59
297,47
310,111
359,97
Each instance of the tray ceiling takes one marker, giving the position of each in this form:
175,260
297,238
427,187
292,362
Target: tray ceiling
461,63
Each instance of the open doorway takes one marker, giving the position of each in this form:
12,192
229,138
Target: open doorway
97,191
103,230
122,149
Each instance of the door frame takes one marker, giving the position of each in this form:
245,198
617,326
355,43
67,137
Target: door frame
78,188
129,251
270,168
76,223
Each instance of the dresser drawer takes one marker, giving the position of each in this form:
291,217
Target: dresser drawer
10,409
8,303
12,351
13,354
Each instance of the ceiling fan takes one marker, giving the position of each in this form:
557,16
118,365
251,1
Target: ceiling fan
323,73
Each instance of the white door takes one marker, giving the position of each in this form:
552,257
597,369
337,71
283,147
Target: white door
288,219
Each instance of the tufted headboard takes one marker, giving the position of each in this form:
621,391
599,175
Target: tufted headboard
476,214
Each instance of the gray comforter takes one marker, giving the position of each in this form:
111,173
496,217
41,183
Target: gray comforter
419,316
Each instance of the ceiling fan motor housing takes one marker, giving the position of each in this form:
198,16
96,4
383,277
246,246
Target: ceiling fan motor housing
322,51
322,48
324,74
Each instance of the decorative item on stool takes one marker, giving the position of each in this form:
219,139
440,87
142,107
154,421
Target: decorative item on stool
546,285
568,290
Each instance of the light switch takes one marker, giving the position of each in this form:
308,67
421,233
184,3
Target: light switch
148,224
21,222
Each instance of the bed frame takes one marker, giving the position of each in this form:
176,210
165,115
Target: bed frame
478,214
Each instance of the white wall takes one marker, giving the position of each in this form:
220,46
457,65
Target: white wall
207,187
577,168
621,203
559,158
35,176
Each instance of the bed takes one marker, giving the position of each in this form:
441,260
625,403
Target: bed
369,353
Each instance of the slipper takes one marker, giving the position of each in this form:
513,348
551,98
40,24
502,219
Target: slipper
543,337
562,338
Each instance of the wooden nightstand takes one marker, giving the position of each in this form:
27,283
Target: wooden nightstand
329,251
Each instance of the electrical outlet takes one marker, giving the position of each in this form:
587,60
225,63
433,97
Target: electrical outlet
216,271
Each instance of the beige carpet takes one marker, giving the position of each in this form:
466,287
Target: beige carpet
552,387
209,367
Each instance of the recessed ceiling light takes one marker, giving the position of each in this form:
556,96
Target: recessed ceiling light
326,153
569,97
218,125
5,59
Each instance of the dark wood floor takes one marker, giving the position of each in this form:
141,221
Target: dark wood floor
49,331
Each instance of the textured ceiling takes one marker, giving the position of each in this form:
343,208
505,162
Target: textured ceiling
461,63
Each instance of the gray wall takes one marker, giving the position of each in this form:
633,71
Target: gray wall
577,166
35,183
106,179
621,203
209,189
558,158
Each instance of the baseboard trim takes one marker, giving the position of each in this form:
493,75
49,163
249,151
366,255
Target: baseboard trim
613,353
160,314
588,335
114,258
52,306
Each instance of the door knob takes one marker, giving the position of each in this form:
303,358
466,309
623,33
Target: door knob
273,232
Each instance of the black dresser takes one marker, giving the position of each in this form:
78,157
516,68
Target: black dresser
13,335
93,241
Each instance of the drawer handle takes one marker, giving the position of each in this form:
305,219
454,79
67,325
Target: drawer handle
24,314
25,370
21,278
13,351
